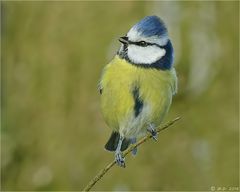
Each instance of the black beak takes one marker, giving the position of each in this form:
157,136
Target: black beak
123,40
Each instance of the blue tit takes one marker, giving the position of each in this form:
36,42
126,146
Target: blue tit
137,86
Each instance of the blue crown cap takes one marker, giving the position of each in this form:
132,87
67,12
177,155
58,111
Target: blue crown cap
151,26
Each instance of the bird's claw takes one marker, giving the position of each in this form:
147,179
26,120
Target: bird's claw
120,160
154,136
134,150
153,132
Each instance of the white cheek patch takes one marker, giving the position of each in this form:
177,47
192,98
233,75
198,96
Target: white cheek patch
145,55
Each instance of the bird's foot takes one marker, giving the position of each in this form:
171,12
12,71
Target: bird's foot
120,160
133,141
153,131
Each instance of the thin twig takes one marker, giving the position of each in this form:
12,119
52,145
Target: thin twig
110,165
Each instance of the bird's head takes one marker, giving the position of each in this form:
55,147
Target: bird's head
147,44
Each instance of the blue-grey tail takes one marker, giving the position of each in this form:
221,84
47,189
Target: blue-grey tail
112,143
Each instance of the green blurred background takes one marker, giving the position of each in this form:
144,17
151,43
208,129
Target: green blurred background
52,132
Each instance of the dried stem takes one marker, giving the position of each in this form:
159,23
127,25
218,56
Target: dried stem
110,165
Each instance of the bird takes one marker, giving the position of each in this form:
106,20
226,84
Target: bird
137,86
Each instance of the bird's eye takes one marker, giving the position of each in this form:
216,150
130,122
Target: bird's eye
142,43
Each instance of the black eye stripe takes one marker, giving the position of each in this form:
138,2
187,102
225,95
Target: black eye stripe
142,43
139,43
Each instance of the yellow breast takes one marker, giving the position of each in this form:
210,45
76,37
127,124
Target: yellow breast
155,90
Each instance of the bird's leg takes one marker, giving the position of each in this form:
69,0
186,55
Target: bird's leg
152,130
118,155
133,141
